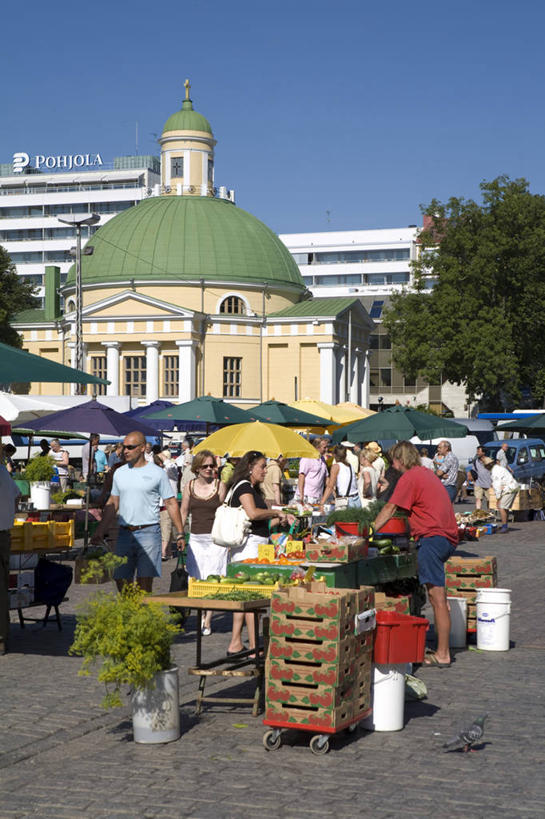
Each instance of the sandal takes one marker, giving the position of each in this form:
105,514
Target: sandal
431,661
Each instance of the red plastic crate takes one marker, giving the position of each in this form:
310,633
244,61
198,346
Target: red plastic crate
399,638
343,528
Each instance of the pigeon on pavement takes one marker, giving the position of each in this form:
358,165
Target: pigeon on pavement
468,736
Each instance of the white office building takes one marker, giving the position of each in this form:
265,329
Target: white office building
35,191
372,264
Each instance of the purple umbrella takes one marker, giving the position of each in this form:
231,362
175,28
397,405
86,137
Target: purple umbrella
92,417
140,413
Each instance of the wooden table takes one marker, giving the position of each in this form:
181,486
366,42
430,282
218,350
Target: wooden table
242,665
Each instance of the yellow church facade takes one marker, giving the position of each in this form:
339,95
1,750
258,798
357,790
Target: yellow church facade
186,294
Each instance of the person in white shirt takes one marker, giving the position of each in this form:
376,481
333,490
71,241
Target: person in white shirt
60,456
425,460
379,464
351,457
8,495
505,488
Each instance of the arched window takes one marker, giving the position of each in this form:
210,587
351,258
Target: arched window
233,305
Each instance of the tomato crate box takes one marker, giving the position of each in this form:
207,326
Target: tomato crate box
310,673
344,551
312,651
471,565
401,604
326,697
470,581
303,629
310,719
318,602
363,647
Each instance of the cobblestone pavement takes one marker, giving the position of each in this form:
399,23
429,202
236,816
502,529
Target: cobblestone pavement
61,755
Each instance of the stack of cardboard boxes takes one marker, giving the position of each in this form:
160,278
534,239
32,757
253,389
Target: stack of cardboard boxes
318,671
465,575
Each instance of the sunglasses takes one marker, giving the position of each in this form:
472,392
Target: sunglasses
208,466
131,446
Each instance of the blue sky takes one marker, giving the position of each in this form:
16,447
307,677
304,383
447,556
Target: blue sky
361,109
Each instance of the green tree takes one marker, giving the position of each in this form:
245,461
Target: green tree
15,295
483,324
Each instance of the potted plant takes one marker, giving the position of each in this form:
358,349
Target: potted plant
355,521
131,640
38,472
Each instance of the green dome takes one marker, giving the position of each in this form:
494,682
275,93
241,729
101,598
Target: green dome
187,238
187,120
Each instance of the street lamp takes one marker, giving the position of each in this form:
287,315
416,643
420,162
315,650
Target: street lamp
77,223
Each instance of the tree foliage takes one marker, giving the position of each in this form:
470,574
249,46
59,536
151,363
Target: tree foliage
483,324
15,295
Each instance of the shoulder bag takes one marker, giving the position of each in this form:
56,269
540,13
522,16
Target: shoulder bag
341,501
231,524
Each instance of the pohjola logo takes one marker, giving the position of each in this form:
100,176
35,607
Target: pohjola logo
64,161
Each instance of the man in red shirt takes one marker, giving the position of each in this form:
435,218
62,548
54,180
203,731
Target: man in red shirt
433,525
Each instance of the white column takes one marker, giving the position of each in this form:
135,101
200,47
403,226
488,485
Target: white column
354,375
328,373
341,374
187,349
152,370
72,347
365,382
112,366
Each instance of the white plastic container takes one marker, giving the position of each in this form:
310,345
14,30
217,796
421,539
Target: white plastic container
156,711
493,619
40,494
458,622
387,698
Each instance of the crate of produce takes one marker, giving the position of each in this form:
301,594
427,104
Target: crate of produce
61,534
386,568
399,638
312,651
290,671
341,551
471,565
205,588
470,581
315,602
325,697
401,604
313,718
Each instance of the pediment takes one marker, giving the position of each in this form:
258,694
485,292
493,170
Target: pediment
134,306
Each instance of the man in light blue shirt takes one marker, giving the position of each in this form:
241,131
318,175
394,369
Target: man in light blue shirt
137,489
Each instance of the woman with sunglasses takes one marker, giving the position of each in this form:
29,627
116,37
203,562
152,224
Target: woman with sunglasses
201,497
247,479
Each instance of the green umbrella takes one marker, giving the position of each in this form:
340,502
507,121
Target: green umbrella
18,365
401,423
528,425
207,409
275,412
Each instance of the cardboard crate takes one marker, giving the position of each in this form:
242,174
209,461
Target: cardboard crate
312,719
401,604
336,552
470,596
302,629
325,697
471,565
524,500
310,673
470,581
472,624
323,651
318,602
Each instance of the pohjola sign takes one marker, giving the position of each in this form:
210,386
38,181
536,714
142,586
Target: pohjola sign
54,163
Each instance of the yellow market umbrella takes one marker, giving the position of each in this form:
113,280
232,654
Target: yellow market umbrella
359,412
270,439
337,415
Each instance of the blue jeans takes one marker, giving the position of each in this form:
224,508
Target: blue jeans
451,491
142,549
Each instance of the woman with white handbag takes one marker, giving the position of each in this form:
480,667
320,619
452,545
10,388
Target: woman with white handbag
343,481
247,478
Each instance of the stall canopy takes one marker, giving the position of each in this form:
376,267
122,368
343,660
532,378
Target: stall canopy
530,425
92,417
334,414
143,413
206,410
18,365
275,412
401,424
270,439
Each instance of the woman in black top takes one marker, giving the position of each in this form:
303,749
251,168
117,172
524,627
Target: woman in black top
247,479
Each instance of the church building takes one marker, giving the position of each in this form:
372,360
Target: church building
186,294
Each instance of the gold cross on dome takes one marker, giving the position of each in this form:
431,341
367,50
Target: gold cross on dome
187,86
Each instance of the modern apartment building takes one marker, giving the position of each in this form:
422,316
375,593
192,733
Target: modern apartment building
372,264
36,191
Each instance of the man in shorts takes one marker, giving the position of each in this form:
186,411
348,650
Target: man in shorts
137,489
478,473
433,525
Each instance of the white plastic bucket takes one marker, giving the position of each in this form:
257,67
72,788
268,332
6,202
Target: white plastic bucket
40,494
458,622
156,711
387,698
493,619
